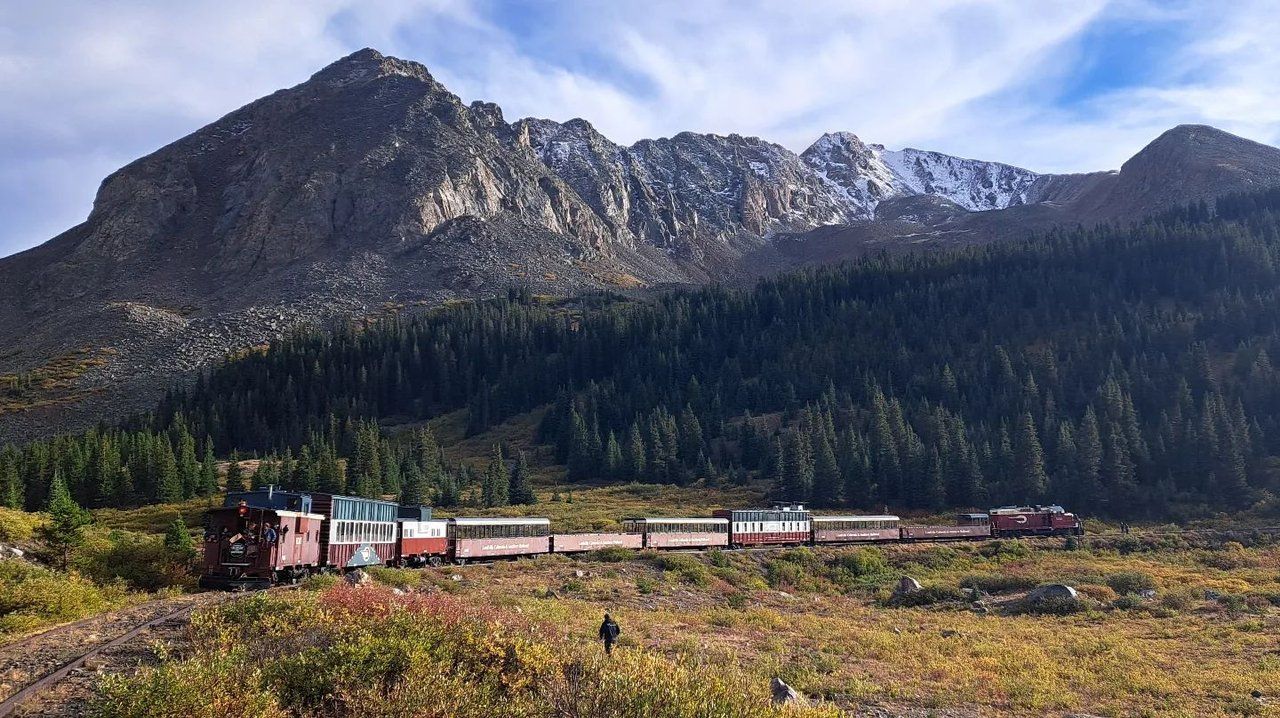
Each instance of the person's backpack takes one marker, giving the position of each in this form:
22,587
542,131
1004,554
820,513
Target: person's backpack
614,630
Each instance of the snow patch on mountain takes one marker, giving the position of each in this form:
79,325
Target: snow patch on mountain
864,175
973,184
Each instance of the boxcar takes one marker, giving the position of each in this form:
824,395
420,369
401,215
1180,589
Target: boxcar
1034,521
421,539
492,538
573,543
259,538
669,533
854,529
968,526
767,527
359,532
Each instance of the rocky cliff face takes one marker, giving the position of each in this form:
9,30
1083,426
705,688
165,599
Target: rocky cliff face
371,188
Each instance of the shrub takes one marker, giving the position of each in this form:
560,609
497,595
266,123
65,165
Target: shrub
997,582
140,560
612,554
1101,594
935,557
686,567
16,526
320,582
1178,600
930,594
1002,549
396,577
32,596
1051,607
1127,602
863,563
1131,582
353,652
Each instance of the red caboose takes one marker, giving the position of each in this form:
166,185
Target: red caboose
258,538
1011,521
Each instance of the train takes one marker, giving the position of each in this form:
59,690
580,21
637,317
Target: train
269,536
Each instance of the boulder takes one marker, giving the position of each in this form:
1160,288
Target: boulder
783,693
906,585
357,577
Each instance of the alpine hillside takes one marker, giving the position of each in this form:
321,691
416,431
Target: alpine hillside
371,188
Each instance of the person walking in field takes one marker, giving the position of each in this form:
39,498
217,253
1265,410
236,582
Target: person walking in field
609,631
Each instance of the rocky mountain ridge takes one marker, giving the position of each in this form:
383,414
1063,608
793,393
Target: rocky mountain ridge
370,188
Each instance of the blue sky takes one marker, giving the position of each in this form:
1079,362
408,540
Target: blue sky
1048,85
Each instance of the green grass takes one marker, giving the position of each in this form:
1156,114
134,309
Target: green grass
156,517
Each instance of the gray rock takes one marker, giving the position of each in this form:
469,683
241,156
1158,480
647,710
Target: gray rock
357,577
783,693
1147,593
907,585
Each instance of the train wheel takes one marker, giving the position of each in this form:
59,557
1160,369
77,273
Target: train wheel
435,561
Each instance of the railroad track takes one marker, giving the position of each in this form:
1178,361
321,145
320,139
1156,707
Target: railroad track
13,702
54,640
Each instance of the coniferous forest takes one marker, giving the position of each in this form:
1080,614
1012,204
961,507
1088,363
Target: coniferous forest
1118,371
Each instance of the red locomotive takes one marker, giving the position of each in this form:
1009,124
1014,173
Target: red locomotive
1012,521
258,538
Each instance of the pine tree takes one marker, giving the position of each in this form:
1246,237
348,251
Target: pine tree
1029,480
497,482
827,482
521,489
797,469
208,472
933,491
178,542
62,532
634,455
447,491
413,489
168,482
188,464
582,460
235,473
11,488
614,464
1089,465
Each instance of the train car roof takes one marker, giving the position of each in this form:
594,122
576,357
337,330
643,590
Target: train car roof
670,520
500,520
886,517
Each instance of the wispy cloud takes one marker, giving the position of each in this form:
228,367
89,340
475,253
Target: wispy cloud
85,88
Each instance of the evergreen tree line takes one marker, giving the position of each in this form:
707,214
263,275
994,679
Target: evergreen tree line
411,467
1120,370
110,467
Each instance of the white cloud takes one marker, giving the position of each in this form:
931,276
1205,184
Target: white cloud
85,88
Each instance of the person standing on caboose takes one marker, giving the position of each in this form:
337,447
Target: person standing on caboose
609,631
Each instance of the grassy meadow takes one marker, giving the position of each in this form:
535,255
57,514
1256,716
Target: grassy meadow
704,633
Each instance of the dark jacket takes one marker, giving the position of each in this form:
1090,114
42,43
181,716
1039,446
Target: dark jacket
609,630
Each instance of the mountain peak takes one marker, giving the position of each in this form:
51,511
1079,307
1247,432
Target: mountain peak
1194,145
368,64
